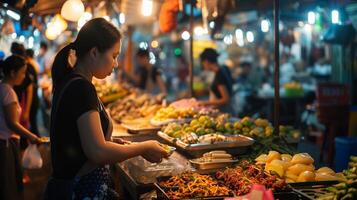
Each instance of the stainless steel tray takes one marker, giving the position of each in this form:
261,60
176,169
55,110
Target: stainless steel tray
137,130
211,165
233,146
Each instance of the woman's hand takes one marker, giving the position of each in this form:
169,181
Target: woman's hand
154,152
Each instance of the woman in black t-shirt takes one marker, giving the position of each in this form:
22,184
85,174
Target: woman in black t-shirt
221,89
80,127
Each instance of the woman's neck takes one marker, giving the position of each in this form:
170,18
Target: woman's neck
215,67
82,70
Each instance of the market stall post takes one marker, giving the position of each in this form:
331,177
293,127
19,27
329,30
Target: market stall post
191,51
276,67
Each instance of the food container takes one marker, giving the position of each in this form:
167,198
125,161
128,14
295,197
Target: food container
200,164
168,121
134,129
235,145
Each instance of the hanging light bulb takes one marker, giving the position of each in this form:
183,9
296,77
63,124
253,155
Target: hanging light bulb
72,10
84,18
146,7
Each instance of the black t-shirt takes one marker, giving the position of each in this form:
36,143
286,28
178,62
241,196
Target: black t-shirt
222,77
78,98
144,74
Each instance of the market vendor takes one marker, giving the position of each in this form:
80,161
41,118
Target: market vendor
221,91
148,76
81,146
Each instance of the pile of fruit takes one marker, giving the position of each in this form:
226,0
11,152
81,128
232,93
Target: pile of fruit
347,189
109,92
134,106
297,168
241,178
171,113
293,89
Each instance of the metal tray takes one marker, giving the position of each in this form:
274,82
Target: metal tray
197,150
211,165
313,184
137,130
168,121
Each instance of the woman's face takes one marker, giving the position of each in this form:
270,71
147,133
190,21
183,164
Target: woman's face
106,61
19,75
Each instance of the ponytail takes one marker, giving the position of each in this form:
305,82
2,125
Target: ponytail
61,66
98,33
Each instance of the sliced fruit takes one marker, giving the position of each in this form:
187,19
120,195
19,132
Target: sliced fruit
306,176
302,158
273,155
326,170
275,168
286,157
299,168
262,158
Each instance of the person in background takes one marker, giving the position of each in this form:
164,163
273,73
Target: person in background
221,90
148,77
33,70
81,146
45,59
14,72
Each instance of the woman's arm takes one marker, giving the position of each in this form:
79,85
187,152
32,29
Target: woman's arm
100,151
225,98
26,112
12,121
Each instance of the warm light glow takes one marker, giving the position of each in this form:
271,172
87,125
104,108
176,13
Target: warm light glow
122,18
13,15
146,7
143,45
22,38
106,18
30,42
212,24
240,37
311,17
13,35
84,18
72,10
55,27
154,44
264,25
228,39
250,36
199,30
335,17
185,35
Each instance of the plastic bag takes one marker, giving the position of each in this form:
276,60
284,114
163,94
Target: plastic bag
32,158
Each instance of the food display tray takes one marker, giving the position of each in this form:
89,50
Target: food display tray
312,189
212,165
281,195
168,121
236,145
162,195
137,130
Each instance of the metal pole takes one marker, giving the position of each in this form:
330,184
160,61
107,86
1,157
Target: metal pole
276,67
191,51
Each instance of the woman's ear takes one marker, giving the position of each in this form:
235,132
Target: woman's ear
93,52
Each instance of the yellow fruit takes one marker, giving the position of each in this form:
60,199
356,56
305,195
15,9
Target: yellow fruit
285,165
262,158
306,176
273,155
302,158
298,168
325,177
286,157
274,167
291,176
325,170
